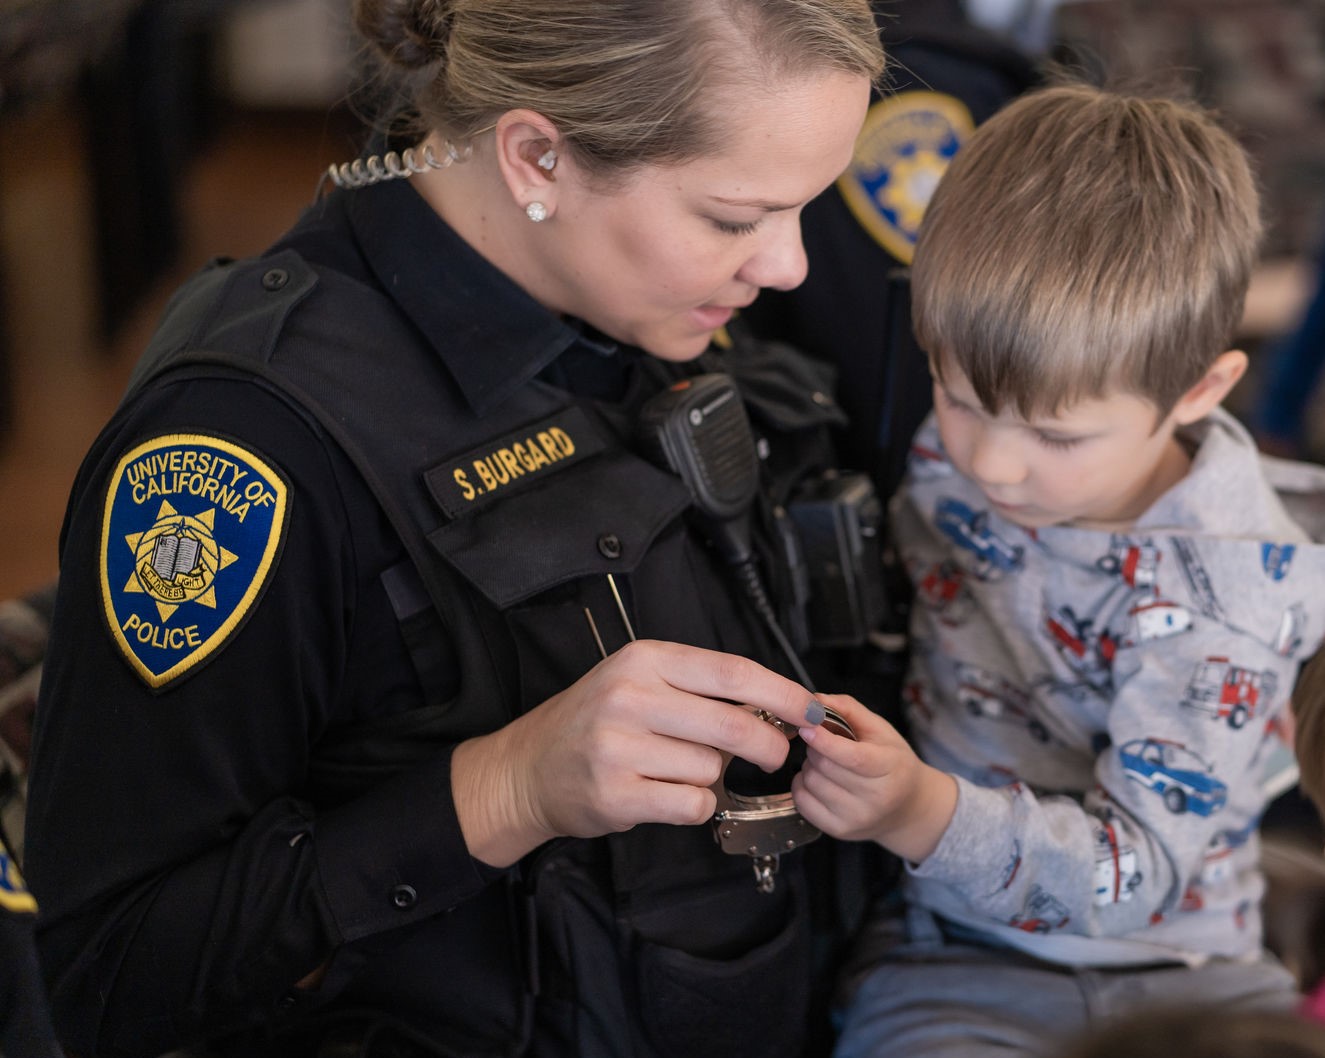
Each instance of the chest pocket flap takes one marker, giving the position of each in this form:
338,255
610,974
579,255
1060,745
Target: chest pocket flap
600,516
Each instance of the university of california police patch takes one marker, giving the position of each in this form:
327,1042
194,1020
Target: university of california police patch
14,895
903,148
192,529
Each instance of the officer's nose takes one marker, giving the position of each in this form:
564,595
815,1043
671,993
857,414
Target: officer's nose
996,458
779,262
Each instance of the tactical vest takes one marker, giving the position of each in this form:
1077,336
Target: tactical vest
651,942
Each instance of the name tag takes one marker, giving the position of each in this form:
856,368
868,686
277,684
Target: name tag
532,453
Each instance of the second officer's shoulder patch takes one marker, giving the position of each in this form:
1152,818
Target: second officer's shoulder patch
903,148
192,529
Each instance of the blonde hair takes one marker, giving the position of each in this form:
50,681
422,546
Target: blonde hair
1085,242
625,81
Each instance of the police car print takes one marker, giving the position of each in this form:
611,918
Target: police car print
990,555
1184,779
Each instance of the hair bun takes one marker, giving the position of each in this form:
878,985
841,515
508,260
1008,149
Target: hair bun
410,33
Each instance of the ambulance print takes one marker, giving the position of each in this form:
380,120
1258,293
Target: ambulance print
1289,636
1116,876
1217,860
1088,652
1156,618
987,694
1227,691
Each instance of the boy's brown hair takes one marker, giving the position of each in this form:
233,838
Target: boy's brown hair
1085,242
1309,740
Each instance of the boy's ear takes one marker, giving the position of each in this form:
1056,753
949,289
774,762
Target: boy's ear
1211,389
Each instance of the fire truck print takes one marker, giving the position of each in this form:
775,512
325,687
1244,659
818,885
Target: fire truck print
1286,639
943,588
1135,561
1229,692
1116,876
987,694
1042,913
1088,651
1089,645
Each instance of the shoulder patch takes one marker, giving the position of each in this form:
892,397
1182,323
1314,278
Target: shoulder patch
192,529
903,148
14,895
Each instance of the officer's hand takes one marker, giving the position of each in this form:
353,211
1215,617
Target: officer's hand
874,788
639,739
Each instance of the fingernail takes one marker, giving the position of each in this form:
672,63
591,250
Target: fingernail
814,713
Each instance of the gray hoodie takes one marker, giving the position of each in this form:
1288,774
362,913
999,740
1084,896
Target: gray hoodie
1108,702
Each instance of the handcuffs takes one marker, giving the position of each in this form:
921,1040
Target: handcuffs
763,826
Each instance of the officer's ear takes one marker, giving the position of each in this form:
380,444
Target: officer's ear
527,154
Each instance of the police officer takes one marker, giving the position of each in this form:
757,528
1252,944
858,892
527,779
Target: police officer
390,672
25,1023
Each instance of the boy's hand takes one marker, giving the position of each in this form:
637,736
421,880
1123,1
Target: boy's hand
875,788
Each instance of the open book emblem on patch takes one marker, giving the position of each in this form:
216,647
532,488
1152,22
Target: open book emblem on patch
191,532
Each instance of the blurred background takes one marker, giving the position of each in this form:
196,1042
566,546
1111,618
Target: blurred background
137,141
139,138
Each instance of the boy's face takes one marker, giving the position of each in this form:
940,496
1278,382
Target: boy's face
1099,463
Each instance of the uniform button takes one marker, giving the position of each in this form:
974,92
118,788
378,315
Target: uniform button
286,1001
404,897
609,545
275,278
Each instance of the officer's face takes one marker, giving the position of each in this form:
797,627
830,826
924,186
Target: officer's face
1100,462
666,260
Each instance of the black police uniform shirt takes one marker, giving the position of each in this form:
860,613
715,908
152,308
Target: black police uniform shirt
189,869
25,1022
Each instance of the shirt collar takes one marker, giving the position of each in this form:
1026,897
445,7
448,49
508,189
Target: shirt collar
492,336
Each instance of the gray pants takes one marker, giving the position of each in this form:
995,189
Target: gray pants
933,997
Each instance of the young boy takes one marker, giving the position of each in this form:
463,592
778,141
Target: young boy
1112,595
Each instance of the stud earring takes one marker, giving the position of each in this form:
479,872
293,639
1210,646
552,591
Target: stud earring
536,211
547,160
